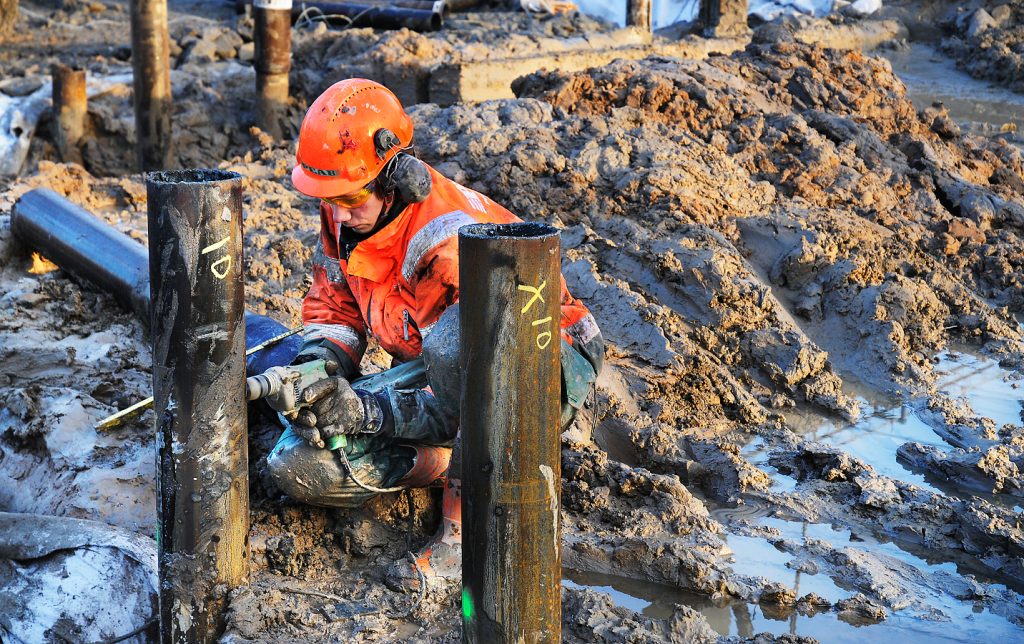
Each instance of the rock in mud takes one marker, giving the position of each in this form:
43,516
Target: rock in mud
588,616
998,469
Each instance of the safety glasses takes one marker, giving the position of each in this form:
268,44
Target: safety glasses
353,199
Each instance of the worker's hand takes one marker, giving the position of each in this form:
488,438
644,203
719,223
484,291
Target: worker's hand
330,408
314,352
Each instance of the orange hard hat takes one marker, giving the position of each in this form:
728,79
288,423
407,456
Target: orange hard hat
349,134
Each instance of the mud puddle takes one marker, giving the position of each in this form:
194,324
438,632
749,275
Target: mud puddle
977,106
991,391
757,556
780,556
887,423
727,618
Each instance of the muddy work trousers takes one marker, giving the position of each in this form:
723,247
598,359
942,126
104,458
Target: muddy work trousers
315,475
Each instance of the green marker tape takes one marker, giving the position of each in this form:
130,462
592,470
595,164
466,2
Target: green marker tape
467,606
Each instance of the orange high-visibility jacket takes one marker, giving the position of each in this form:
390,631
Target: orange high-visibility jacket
395,284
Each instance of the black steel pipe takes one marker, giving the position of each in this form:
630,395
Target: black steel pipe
151,70
272,35
69,110
511,470
443,7
376,16
195,251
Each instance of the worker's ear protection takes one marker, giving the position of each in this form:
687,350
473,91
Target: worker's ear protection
406,176
384,140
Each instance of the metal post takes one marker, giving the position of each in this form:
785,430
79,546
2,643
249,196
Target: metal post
511,471
638,13
151,47
724,18
69,109
195,233
273,38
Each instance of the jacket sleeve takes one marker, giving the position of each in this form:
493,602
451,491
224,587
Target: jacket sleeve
330,313
582,354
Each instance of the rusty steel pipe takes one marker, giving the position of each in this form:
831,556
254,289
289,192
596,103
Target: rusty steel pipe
376,16
638,14
151,68
195,262
273,39
511,469
69,110
724,18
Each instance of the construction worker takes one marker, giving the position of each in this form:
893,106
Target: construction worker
387,266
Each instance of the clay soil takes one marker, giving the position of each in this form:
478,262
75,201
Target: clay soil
774,230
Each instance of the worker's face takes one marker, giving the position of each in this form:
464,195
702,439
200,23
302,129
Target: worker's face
361,219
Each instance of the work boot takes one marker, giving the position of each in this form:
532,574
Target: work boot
441,558
429,465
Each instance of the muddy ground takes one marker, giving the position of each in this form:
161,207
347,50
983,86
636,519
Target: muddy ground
767,236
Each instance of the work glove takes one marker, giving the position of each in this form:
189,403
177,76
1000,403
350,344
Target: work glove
318,352
332,408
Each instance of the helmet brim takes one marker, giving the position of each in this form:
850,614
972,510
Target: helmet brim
323,187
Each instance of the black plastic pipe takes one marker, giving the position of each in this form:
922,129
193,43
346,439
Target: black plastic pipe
195,261
511,469
84,246
93,251
376,16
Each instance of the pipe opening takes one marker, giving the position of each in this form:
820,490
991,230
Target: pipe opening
435,21
202,175
523,229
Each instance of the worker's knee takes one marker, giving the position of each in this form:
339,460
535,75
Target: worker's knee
313,475
441,355
303,472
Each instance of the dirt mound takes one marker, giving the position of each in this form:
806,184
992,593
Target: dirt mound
987,41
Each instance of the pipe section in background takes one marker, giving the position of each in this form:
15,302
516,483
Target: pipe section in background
151,66
195,252
372,15
724,18
638,14
69,110
273,38
511,470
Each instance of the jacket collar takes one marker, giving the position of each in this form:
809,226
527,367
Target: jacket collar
372,258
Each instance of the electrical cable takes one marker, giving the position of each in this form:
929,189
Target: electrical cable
369,488
347,467
137,631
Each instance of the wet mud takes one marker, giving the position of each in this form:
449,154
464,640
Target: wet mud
807,425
